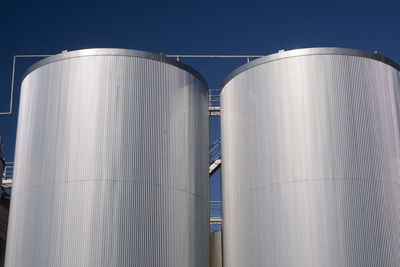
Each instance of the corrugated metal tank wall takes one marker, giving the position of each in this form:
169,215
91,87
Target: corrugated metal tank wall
111,165
310,149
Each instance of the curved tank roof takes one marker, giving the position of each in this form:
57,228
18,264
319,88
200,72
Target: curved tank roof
310,52
115,52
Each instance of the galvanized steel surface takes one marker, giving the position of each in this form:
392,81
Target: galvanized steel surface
310,52
111,165
111,52
310,146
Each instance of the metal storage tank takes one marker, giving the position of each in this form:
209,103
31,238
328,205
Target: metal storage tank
111,165
310,150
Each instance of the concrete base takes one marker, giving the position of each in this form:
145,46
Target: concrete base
216,249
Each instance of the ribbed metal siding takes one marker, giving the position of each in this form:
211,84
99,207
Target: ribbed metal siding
310,149
111,166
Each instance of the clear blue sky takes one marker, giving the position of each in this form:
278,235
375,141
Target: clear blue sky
187,27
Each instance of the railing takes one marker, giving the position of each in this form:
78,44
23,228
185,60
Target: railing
215,150
215,216
214,108
6,180
9,170
213,98
215,209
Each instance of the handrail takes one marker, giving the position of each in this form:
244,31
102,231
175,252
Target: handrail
213,97
8,170
248,57
215,150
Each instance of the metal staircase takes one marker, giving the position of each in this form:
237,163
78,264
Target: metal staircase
215,207
216,214
215,156
214,108
6,179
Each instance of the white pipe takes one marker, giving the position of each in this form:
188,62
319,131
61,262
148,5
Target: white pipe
13,79
215,56
176,56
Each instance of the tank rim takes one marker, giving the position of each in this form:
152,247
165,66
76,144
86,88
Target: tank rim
114,52
309,52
